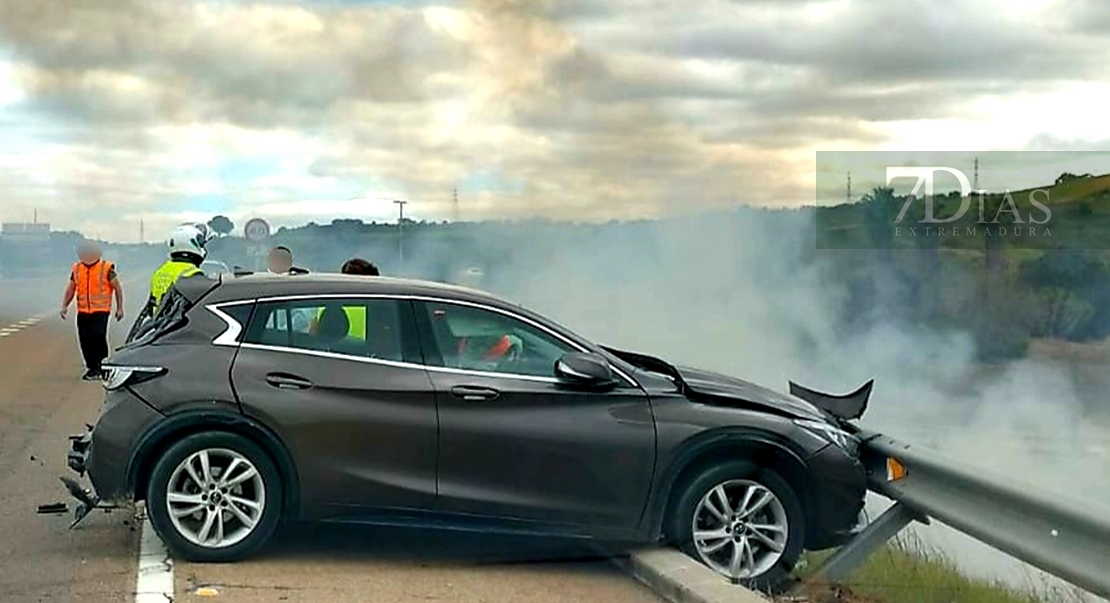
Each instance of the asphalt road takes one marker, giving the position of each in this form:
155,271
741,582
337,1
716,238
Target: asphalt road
43,400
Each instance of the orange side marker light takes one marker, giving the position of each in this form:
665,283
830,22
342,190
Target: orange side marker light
895,470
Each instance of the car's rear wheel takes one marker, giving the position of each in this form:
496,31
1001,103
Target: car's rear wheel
744,522
214,497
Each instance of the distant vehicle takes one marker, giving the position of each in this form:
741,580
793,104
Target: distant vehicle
214,267
470,277
400,423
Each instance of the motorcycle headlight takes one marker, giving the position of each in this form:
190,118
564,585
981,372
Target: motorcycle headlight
831,433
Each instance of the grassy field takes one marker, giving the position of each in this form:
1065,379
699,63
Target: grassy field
1080,219
908,571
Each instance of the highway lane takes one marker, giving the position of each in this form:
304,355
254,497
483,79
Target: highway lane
309,564
43,400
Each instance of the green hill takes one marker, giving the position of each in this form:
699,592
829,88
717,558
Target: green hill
1077,217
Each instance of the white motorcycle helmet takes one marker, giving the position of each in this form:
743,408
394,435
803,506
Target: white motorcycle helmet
189,239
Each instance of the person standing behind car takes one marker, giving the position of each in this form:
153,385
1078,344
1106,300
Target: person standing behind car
360,267
187,250
280,260
94,282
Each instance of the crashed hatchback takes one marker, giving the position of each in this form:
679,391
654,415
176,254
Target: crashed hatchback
254,399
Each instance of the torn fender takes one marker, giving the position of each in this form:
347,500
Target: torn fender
846,407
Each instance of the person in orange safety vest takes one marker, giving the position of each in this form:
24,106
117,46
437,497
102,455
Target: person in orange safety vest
95,283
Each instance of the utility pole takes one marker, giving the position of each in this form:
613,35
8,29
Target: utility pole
142,231
400,235
975,187
849,187
455,207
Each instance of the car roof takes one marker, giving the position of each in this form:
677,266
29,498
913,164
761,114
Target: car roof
251,286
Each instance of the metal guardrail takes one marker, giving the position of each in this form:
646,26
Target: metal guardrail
1067,539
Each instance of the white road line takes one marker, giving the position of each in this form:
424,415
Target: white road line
154,583
9,330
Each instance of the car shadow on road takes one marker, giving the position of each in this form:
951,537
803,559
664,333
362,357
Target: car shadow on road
362,543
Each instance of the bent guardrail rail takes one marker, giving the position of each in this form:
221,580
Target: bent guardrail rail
1067,539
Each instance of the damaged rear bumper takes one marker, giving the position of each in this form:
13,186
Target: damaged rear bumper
79,452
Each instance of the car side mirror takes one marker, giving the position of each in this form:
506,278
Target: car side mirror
581,369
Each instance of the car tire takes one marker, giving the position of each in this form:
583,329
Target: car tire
249,509
773,567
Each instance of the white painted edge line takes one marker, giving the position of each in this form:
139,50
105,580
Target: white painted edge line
154,582
676,578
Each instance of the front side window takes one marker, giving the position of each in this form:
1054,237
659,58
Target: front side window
369,328
482,340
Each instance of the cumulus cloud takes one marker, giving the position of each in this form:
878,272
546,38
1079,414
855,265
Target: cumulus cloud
565,109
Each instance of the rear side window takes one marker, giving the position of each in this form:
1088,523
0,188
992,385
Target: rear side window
365,328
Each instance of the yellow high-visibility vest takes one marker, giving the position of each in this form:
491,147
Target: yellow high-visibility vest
356,318
166,275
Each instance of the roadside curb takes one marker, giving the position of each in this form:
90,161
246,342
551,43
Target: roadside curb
677,578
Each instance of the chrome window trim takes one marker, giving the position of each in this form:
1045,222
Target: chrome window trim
230,337
391,363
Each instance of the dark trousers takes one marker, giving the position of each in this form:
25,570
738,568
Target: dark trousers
92,333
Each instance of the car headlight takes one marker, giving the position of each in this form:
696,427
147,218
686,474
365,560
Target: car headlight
118,376
831,433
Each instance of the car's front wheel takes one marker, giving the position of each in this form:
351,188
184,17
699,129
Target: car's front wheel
743,522
214,497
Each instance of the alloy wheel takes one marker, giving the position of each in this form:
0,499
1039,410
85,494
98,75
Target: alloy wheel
215,498
740,529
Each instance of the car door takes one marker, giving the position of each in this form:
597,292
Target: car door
356,410
516,444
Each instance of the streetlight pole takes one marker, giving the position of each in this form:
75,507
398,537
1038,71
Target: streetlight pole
400,235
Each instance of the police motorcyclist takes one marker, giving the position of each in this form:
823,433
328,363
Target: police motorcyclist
187,250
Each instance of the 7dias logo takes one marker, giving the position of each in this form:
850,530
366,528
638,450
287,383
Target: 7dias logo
924,176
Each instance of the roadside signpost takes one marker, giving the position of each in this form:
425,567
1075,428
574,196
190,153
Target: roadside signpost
257,231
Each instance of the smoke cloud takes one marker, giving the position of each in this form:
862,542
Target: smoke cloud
745,294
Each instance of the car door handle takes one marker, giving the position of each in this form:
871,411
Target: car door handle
474,393
287,381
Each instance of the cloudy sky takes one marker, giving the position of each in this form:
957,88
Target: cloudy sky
116,111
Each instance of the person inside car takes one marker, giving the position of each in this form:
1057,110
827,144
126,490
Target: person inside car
477,346
356,315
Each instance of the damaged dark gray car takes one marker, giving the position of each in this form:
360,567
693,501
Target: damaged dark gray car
259,398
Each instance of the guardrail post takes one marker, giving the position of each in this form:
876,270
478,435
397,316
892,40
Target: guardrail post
859,548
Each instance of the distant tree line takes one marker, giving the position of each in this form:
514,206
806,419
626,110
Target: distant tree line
1002,294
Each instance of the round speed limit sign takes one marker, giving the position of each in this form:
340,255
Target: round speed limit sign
256,229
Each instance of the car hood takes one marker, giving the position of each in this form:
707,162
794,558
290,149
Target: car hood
708,387
723,390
